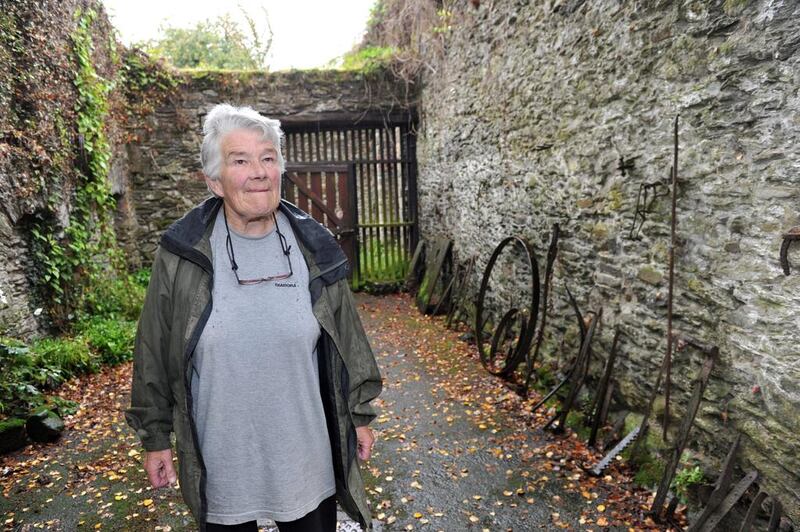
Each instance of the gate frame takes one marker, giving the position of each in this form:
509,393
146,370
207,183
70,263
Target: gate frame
406,119
337,167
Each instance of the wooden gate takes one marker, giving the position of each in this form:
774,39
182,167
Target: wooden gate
327,193
380,152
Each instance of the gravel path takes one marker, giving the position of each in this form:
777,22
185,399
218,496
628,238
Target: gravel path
455,450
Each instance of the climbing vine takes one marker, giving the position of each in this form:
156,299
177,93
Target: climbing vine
70,262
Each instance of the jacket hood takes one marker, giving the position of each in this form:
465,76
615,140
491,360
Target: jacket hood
188,238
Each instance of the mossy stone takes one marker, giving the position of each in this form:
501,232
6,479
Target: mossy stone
12,435
44,426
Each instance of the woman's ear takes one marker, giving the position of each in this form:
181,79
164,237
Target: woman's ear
215,186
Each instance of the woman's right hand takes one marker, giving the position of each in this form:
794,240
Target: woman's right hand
159,468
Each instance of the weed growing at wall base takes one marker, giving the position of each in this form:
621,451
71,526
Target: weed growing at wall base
380,264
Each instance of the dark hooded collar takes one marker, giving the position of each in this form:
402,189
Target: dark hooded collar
188,238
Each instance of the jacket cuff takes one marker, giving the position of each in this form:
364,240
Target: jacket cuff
156,442
362,420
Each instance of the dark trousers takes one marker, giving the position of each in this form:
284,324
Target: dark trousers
320,519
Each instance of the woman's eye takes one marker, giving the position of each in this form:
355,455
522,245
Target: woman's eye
240,161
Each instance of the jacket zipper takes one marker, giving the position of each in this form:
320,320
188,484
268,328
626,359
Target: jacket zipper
187,356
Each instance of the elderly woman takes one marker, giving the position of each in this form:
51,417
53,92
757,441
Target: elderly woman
251,351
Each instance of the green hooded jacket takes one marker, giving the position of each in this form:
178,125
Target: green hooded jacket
177,307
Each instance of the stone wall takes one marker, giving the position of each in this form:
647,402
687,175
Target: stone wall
524,123
39,143
164,164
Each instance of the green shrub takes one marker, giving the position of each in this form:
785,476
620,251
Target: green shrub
685,478
103,333
24,376
69,355
369,59
141,278
120,297
111,339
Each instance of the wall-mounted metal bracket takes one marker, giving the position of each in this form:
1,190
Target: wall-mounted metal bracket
793,235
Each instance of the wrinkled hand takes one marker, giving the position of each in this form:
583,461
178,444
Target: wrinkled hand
365,442
159,468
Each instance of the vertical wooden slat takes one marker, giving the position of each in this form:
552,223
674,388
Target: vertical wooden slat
396,176
330,194
287,148
376,179
316,188
302,199
289,190
391,155
392,135
371,239
340,155
292,139
364,204
383,155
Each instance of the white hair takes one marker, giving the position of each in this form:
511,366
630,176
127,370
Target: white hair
224,118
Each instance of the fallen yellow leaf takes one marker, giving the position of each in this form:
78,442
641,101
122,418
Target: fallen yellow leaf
147,502
601,507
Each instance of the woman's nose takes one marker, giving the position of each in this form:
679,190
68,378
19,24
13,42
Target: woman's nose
260,169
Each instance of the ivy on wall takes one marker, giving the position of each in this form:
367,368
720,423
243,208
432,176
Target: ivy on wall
70,262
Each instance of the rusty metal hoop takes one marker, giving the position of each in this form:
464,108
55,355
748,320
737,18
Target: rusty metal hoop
523,343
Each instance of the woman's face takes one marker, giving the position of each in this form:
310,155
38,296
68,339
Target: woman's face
250,179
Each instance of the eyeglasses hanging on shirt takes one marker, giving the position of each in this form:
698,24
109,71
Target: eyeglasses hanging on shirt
284,248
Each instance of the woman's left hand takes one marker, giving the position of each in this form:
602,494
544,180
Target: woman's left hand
365,442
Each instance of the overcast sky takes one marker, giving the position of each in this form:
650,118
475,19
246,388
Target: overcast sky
307,33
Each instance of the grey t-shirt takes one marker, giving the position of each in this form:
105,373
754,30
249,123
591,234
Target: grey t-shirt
255,383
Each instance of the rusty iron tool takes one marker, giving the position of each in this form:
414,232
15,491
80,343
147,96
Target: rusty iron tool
626,165
600,466
459,292
727,504
578,376
671,289
747,523
601,400
683,435
582,330
548,276
776,509
417,267
720,486
442,253
792,235
578,315
645,199
529,316
616,433
681,343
